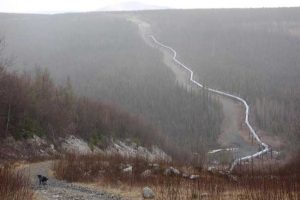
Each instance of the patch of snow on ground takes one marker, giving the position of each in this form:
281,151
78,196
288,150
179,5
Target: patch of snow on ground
133,150
73,144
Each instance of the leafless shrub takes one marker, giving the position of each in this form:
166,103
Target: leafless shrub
253,185
14,185
89,168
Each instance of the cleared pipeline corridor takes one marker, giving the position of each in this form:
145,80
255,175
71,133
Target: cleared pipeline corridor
265,147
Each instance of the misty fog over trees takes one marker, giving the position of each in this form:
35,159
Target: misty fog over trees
167,104
34,105
250,52
107,60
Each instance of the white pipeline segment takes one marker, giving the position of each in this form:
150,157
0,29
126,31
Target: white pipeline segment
252,131
219,150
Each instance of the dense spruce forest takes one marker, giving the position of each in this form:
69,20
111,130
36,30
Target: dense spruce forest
150,104
250,52
35,105
106,59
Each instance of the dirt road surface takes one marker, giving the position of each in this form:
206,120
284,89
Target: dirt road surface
60,190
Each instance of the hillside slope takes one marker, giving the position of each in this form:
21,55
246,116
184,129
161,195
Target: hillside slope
106,59
249,52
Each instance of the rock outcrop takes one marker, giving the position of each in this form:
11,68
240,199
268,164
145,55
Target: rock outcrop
148,193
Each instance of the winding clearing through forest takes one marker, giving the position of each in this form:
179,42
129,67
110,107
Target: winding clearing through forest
265,147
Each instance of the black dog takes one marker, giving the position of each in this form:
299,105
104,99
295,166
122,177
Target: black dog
42,179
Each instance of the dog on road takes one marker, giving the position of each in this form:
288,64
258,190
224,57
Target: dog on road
42,179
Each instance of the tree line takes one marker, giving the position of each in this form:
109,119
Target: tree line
108,61
35,105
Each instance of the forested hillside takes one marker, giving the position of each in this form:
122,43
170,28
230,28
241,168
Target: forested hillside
106,59
35,105
250,52
150,104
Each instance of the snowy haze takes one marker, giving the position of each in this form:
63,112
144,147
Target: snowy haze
57,6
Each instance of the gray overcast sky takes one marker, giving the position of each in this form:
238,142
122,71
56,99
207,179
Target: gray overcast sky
40,6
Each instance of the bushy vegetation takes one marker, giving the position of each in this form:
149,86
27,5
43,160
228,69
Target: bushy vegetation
253,53
262,182
14,185
93,168
254,187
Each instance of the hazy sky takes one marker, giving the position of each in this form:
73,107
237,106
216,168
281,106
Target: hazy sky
40,6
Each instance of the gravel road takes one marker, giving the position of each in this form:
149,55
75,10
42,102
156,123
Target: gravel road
61,190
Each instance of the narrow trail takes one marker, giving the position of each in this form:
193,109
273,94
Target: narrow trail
265,147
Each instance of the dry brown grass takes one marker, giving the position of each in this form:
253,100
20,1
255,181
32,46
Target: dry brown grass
90,168
14,185
105,171
250,188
